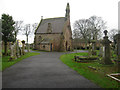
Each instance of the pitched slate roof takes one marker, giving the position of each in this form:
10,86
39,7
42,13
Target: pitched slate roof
56,23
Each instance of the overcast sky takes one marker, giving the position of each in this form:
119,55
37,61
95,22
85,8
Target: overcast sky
30,11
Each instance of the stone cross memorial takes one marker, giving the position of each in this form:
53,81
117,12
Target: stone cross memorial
18,51
106,52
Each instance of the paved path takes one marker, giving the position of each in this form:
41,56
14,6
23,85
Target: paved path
44,71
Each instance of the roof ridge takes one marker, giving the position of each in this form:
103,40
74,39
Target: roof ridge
53,18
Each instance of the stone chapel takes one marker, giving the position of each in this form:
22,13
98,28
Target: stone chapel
54,34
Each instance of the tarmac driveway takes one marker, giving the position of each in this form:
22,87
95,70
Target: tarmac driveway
43,71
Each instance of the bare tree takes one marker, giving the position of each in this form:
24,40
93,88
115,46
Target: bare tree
82,27
18,27
34,26
112,33
76,33
76,36
27,32
29,29
89,29
97,27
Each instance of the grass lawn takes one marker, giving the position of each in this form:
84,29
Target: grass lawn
6,63
97,76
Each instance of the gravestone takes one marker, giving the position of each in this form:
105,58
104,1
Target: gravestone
89,52
13,51
106,49
28,47
93,47
23,47
20,47
101,51
17,48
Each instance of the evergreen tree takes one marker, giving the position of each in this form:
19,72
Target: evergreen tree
7,30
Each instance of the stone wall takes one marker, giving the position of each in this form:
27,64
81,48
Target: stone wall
67,42
54,39
81,44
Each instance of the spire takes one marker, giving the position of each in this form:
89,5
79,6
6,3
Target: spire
67,15
41,17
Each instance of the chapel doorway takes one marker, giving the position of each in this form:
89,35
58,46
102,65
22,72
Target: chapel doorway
51,47
66,45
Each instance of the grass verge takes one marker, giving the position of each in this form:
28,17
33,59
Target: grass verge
98,77
6,63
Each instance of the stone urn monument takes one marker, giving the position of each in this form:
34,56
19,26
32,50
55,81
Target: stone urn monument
106,49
